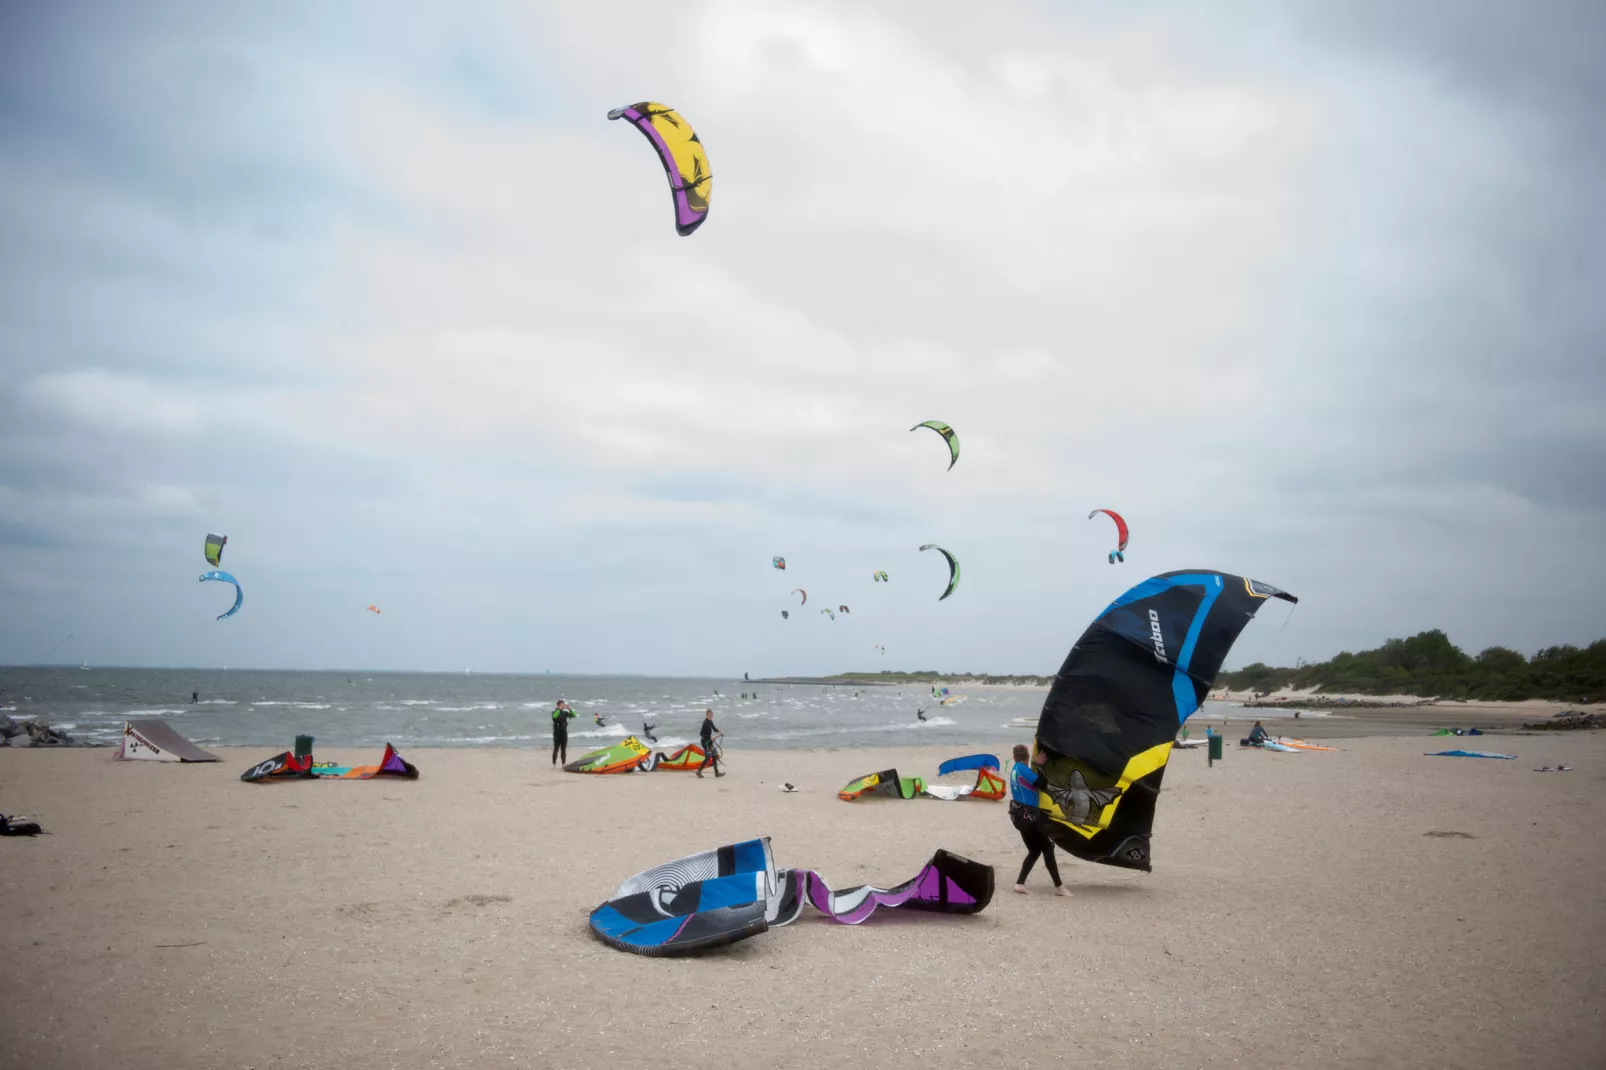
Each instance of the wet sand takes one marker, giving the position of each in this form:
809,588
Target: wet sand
1365,908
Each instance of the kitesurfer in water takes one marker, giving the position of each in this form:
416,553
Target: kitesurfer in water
561,716
708,733
647,729
1025,782
597,717
195,696
920,714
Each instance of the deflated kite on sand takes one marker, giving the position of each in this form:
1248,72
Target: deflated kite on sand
155,741
288,766
718,897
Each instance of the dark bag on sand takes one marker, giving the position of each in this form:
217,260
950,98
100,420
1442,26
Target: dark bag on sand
8,827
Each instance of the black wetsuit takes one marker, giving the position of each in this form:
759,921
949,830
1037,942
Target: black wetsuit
560,735
1025,819
646,730
706,735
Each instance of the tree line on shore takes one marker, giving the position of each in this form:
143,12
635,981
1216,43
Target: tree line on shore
1428,664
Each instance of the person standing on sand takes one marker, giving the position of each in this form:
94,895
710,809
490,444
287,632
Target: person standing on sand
708,733
1025,782
561,716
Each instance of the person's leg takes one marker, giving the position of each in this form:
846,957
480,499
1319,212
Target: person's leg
1026,867
554,748
708,756
1051,865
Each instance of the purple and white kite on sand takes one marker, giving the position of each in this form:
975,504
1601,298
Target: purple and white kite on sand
717,897
941,886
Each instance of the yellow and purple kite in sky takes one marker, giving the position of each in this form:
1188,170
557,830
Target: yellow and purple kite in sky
681,152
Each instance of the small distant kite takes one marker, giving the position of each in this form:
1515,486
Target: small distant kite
239,595
785,615
842,609
881,577
373,609
828,613
805,594
953,569
1119,553
681,152
881,648
948,436
214,549
779,562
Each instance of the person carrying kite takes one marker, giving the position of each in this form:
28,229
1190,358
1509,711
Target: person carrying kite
1025,782
561,716
708,733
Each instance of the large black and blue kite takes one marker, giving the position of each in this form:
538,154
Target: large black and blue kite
1141,669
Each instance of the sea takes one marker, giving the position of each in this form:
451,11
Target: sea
269,708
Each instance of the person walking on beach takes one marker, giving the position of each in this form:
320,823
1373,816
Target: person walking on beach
708,733
1025,781
561,716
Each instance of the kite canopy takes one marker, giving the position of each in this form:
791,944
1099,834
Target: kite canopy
213,548
805,594
881,577
681,152
288,766
1108,724
970,761
1120,533
785,615
887,782
621,757
718,897
842,609
373,609
948,436
686,759
829,613
953,569
778,562
239,595
881,648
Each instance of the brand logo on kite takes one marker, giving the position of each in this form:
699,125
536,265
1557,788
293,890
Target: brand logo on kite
1154,633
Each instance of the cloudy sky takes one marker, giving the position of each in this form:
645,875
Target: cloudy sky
385,298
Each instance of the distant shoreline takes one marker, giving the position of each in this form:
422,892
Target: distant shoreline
848,679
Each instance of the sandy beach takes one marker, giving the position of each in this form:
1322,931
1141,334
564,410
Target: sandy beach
1370,907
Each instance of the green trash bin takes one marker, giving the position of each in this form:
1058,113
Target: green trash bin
1215,749
303,746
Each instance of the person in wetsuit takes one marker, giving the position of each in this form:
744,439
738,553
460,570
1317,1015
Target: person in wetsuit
1257,736
195,696
561,716
920,714
1025,781
708,733
647,729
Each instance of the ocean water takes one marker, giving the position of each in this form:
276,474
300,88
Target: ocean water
269,709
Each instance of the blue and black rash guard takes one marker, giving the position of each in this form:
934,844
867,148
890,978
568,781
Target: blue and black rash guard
1024,784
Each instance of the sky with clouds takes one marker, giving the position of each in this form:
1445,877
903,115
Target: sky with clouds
384,297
